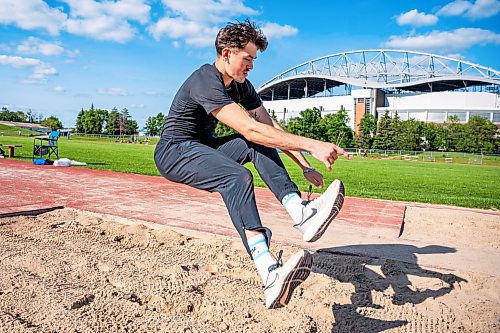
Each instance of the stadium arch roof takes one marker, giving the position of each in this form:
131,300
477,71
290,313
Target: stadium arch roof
378,68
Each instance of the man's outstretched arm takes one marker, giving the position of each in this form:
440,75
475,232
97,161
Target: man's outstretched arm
267,135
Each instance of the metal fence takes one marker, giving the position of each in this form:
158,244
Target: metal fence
425,156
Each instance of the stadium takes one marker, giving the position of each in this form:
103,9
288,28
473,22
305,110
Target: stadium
416,85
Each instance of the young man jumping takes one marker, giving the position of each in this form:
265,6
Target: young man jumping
189,152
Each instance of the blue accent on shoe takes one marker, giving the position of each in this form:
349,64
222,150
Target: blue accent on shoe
289,196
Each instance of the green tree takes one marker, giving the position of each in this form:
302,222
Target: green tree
8,115
79,122
437,136
479,136
160,122
394,131
308,124
113,123
383,138
429,132
122,121
151,126
132,126
367,132
154,124
336,129
52,122
91,121
455,133
408,135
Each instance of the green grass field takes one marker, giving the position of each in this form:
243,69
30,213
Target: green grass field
441,183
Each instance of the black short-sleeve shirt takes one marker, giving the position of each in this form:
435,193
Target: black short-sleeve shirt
190,115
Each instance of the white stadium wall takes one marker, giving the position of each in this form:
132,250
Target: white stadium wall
429,107
438,106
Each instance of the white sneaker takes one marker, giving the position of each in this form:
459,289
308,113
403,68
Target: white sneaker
283,279
320,212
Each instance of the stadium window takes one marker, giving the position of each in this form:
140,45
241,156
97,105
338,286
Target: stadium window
462,116
436,117
485,115
416,115
496,117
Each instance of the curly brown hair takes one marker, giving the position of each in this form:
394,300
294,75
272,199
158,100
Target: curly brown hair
238,35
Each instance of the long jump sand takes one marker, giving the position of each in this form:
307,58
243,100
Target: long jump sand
75,271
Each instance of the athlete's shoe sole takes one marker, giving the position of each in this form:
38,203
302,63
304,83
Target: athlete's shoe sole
296,270
315,232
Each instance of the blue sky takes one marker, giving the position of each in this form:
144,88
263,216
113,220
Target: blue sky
57,57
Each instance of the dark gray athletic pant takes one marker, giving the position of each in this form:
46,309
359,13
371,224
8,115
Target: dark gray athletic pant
218,167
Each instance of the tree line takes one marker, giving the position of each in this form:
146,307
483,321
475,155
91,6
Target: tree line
388,133
392,133
101,121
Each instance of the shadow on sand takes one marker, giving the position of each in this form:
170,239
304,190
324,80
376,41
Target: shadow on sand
348,264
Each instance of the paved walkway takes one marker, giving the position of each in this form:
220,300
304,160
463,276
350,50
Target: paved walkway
26,187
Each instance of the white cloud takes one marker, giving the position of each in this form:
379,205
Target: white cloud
151,93
274,30
454,8
32,14
416,19
448,41
102,20
136,10
41,70
59,89
138,106
101,28
196,22
33,45
476,10
208,10
113,92
106,20
18,62
194,33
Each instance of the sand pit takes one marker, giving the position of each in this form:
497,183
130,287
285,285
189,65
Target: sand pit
75,271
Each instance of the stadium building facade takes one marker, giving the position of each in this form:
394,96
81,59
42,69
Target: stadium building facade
416,85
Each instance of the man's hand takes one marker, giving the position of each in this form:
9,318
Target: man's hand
314,177
328,153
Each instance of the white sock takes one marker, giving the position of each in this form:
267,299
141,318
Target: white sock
261,255
293,204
